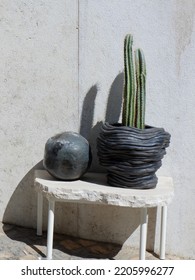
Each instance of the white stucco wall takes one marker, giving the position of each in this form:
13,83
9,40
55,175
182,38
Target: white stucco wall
54,78
165,31
38,89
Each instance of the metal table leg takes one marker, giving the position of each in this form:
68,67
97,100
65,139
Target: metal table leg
143,233
50,229
163,231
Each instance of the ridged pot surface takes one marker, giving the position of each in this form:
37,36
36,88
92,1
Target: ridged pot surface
131,155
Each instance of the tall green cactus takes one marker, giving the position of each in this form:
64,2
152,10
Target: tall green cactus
134,86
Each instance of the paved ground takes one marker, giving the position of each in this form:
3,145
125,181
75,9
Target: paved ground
17,243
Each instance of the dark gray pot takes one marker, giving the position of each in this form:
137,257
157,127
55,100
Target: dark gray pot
67,156
131,155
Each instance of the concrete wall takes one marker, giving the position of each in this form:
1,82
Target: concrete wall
165,31
39,89
54,78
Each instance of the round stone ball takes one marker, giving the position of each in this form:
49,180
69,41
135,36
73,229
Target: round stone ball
67,156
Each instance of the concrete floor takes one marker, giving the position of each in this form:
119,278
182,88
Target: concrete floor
18,243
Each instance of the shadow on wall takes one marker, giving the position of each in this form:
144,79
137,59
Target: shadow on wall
127,220
24,213
113,111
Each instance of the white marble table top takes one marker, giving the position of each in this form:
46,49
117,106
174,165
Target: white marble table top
93,188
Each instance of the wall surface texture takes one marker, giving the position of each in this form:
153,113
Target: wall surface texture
39,94
62,69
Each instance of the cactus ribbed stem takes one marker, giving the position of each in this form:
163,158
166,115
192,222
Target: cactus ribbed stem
134,86
129,86
141,89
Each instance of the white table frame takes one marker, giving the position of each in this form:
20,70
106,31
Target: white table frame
160,196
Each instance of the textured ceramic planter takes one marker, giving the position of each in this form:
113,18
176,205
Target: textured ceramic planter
67,156
131,155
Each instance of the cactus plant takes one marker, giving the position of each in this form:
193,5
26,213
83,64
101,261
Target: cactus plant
132,152
134,86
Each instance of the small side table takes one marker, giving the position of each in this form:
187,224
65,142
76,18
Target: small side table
94,189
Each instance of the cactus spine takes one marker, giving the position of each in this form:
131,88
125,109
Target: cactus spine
134,86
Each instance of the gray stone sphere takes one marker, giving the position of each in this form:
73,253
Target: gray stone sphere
67,156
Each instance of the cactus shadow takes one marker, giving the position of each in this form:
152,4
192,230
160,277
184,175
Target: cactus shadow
114,103
87,113
112,115
87,129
